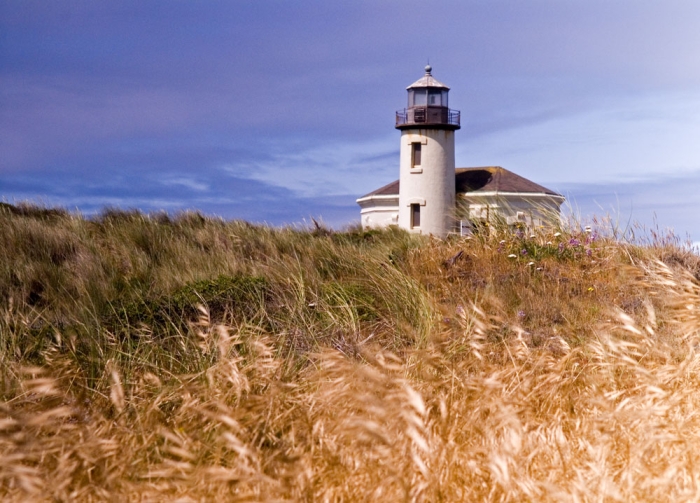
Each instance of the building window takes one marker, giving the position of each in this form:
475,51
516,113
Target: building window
416,149
434,97
415,215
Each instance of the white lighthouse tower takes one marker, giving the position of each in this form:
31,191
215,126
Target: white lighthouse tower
427,162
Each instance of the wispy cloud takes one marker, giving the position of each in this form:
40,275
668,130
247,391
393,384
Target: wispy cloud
668,202
323,169
630,139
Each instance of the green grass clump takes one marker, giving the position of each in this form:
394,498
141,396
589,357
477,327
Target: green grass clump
151,357
244,296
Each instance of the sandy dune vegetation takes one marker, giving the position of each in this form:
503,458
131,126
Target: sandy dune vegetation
156,358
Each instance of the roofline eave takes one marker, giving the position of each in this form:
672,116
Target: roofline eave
380,197
498,193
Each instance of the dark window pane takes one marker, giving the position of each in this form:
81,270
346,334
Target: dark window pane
416,154
415,215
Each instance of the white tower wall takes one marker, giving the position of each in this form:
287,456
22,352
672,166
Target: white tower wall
430,184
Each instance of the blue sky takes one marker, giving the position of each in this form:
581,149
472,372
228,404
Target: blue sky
277,111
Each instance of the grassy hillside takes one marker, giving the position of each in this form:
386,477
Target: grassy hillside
156,358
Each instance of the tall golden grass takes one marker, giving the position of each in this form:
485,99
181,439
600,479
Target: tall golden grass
187,359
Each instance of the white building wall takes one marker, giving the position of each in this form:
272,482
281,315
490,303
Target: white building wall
431,184
379,211
532,210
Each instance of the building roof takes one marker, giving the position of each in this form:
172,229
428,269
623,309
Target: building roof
496,179
390,189
427,80
483,179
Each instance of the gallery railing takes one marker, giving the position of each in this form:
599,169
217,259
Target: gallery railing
429,116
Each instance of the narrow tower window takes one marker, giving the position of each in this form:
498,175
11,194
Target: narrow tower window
415,215
415,154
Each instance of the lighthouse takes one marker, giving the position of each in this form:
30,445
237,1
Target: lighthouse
431,196
427,158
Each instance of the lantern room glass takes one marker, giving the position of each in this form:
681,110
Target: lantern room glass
417,97
427,96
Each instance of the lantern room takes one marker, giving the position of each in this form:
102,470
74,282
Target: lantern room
428,105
